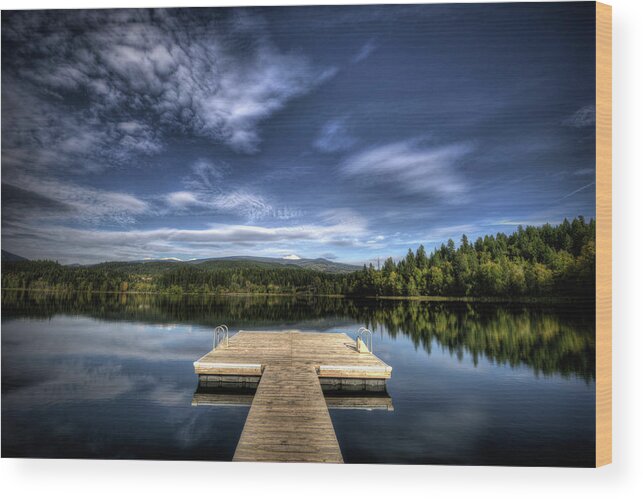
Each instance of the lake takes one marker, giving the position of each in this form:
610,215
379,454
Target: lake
111,376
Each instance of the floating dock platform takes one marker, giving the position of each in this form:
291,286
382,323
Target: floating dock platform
289,419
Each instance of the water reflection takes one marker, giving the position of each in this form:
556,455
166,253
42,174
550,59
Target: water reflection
241,395
550,339
111,376
74,387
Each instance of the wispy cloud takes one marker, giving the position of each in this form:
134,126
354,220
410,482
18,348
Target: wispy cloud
441,234
523,222
577,190
208,189
364,52
584,117
432,237
334,136
251,206
31,198
585,171
413,166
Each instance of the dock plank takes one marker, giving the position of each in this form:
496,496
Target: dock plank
289,420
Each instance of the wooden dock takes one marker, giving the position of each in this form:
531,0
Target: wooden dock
289,419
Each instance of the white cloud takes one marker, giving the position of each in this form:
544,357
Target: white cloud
291,257
220,81
412,166
208,190
181,199
216,240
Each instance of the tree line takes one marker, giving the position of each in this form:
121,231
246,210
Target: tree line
533,261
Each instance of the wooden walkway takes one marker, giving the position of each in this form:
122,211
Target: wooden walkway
289,419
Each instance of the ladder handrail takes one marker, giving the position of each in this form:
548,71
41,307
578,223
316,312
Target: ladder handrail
220,331
365,331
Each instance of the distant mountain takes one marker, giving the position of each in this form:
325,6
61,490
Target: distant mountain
10,257
319,264
231,262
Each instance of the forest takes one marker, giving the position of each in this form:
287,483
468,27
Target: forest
534,261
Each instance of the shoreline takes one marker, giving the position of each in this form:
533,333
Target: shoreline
464,299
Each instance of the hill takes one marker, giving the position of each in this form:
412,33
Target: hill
10,257
230,263
319,264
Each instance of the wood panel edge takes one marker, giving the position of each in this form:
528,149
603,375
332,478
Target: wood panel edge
603,234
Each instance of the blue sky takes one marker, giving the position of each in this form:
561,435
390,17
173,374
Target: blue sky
348,133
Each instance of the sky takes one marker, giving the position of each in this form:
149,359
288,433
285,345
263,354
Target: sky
347,133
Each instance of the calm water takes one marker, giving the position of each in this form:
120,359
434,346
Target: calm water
107,376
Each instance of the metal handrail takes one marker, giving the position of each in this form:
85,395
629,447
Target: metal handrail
362,331
220,332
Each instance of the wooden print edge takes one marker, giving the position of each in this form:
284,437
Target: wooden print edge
603,234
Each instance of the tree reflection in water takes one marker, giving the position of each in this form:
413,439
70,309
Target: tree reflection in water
551,338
